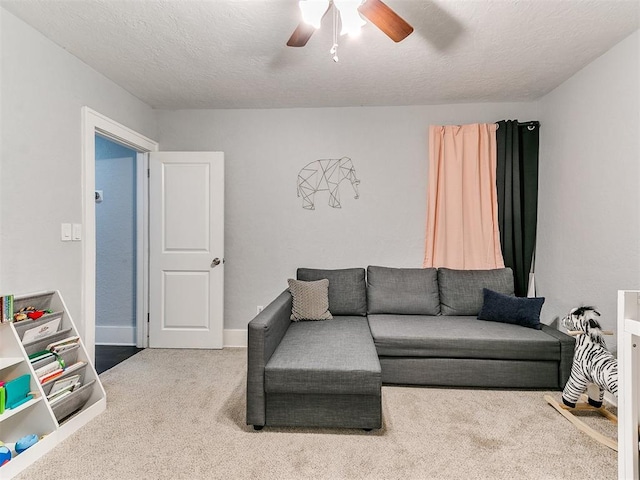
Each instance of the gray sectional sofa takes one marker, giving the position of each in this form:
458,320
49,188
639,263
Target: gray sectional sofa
394,326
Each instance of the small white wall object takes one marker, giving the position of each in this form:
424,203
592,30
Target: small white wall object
77,232
65,232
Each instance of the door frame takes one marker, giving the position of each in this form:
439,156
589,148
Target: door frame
95,123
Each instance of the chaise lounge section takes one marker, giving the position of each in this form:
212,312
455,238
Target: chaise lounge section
315,374
394,326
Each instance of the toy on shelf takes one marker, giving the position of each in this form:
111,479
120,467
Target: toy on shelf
25,442
29,312
5,454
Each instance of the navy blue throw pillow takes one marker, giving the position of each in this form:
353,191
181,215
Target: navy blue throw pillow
507,309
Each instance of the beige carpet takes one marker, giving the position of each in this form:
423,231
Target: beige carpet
179,414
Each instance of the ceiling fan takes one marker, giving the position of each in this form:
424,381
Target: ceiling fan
351,13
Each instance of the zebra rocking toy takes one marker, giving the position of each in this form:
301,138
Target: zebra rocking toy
592,364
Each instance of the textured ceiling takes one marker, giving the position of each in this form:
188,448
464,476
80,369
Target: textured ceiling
232,54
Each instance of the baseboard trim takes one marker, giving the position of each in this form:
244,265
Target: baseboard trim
109,335
112,335
234,337
593,391
611,399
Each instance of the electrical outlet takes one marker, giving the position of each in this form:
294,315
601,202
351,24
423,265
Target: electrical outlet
259,308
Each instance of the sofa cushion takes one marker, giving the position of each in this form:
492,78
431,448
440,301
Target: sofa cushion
459,337
461,290
407,291
508,309
347,289
310,300
336,357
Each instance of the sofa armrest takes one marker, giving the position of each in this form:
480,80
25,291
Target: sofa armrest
265,332
567,347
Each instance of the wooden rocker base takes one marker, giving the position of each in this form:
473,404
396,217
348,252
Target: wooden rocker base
565,411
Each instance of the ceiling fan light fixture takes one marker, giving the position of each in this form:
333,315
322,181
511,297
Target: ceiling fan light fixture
313,11
353,15
350,18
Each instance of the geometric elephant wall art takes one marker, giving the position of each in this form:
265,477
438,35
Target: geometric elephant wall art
326,175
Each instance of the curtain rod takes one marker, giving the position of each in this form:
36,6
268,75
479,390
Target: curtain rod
532,124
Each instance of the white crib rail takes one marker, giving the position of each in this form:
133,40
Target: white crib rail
628,383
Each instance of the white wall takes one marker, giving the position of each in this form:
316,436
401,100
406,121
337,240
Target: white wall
268,233
589,207
43,89
116,248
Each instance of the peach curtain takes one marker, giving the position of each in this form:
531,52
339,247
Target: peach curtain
462,208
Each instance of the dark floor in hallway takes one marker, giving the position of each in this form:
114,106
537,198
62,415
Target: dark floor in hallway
108,356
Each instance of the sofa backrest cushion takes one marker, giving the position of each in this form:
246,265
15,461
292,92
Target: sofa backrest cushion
402,291
347,289
461,290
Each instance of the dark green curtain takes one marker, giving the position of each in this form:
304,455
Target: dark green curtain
517,146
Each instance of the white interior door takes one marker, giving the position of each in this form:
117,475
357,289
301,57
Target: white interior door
186,249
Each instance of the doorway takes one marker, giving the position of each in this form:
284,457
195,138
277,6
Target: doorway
116,253
96,125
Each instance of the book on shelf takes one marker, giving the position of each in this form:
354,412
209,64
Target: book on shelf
41,331
62,388
71,382
17,391
41,355
75,366
53,399
51,375
63,348
65,371
64,344
49,368
58,372
6,308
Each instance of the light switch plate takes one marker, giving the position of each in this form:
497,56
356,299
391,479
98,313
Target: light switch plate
65,232
77,232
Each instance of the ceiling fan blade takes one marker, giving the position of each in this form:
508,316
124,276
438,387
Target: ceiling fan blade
392,24
301,35
303,31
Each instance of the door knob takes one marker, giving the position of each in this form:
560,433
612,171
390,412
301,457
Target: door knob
215,262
